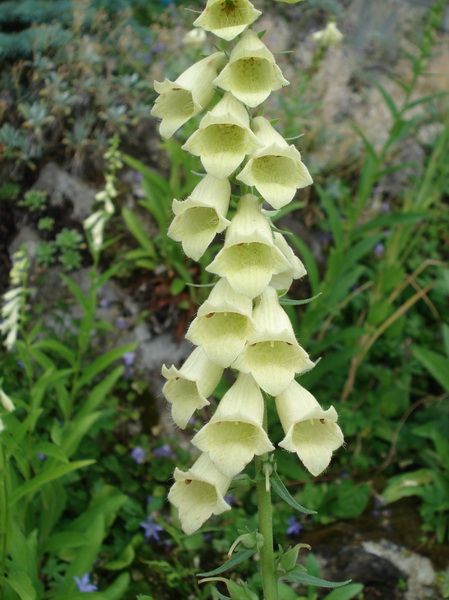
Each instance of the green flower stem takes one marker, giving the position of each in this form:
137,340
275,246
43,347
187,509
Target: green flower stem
269,579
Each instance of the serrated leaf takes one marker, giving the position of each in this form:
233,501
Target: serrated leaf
235,559
280,489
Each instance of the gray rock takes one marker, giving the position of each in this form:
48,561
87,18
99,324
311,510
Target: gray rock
418,569
62,188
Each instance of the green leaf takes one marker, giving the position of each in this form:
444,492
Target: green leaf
50,450
103,361
76,290
21,584
117,589
306,579
290,302
345,593
406,484
436,364
280,489
236,559
34,484
134,226
65,539
389,221
59,348
124,559
388,100
100,391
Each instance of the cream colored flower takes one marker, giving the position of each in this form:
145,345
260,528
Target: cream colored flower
249,257
195,38
222,324
329,36
235,433
180,100
296,270
199,493
227,18
275,169
310,431
187,388
272,354
201,216
251,73
6,401
223,138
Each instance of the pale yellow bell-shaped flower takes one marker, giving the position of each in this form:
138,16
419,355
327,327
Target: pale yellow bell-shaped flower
201,216
187,388
310,431
227,18
199,493
329,36
180,100
235,433
276,169
272,354
222,324
223,138
251,73
249,257
283,281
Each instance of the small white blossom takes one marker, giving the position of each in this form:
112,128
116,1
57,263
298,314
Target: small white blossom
235,433
195,38
329,36
180,100
187,388
201,216
249,258
222,324
6,401
275,169
272,354
199,493
251,73
310,431
227,18
223,138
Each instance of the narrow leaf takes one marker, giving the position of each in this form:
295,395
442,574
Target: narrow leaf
436,364
236,559
306,579
290,302
280,489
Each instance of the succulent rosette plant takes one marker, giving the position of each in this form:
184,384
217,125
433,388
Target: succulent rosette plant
242,326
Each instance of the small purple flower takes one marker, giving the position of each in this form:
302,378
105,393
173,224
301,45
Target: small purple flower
104,302
379,250
385,207
151,529
164,451
20,363
41,456
129,358
121,323
84,584
138,454
324,238
294,526
229,498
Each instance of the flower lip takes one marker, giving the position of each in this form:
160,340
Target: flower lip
310,431
251,73
227,19
198,493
